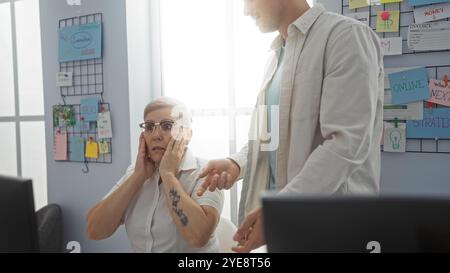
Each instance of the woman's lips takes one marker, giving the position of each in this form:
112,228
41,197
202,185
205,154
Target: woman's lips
158,149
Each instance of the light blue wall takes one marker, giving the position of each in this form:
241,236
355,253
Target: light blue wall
67,185
411,173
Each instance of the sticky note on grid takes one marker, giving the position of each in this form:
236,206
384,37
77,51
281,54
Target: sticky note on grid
390,1
409,86
439,92
394,138
104,125
356,4
103,147
91,149
89,109
388,21
60,146
76,149
435,124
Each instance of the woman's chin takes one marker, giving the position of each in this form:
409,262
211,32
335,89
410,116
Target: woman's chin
155,158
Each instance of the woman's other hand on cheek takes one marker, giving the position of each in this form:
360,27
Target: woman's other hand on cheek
144,166
171,160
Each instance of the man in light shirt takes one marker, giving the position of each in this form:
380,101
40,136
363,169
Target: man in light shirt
325,76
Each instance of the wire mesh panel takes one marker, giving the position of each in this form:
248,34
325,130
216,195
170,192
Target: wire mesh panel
90,133
413,145
406,19
87,80
87,74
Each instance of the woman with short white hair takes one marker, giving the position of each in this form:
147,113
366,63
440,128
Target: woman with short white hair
156,198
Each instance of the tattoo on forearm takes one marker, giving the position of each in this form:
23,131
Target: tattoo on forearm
179,212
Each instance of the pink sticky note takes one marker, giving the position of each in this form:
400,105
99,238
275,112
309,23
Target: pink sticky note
439,93
60,146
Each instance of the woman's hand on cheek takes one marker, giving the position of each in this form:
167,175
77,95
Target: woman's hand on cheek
171,160
144,167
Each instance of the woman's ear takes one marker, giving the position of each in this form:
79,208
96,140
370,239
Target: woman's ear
188,136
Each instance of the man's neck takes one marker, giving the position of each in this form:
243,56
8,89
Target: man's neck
293,10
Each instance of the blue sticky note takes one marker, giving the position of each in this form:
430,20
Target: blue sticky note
80,42
409,86
425,2
435,124
89,109
82,125
76,149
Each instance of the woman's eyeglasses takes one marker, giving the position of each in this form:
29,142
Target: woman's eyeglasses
150,126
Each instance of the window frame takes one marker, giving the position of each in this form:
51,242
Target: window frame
17,118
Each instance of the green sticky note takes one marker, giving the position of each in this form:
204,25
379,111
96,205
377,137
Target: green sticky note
390,1
388,21
355,4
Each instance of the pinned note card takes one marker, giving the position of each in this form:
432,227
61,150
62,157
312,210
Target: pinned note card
392,46
89,109
432,13
60,146
63,116
76,149
91,149
429,36
440,92
363,16
64,79
103,147
104,125
356,4
409,86
80,42
82,125
388,21
394,137
435,124
425,2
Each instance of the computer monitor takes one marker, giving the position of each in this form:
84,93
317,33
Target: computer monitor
335,225
18,228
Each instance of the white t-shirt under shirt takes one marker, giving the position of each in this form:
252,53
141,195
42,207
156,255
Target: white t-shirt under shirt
148,222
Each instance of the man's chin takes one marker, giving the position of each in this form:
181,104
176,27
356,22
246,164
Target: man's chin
265,29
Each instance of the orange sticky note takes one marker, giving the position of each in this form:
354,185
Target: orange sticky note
91,149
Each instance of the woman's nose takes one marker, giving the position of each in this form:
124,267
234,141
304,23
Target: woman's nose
157,134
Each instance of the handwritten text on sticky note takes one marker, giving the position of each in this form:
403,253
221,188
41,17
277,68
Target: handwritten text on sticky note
409,86
440,93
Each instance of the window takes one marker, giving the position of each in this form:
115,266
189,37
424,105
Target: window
213,59
22,137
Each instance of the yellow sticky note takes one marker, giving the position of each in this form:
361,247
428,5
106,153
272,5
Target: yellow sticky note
103,147
356,4
390,1
91,149
388,21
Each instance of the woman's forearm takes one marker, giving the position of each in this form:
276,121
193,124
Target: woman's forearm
104,218
195,223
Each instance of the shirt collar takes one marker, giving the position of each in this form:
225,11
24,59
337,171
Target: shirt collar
303,24
189,161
